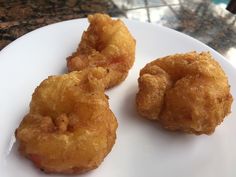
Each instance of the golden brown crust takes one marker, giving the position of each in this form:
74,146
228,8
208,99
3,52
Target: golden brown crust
70,128
106,43
187,92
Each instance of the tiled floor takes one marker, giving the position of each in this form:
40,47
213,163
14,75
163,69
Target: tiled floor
148,10
202,19
206,21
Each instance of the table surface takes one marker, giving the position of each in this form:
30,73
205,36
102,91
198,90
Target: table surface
204,20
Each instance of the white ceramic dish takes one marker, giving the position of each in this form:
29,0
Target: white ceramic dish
142,148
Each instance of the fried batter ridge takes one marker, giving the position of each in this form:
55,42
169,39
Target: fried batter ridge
107,43
69,128
184,92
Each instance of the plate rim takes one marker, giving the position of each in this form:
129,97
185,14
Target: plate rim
219,56
125,20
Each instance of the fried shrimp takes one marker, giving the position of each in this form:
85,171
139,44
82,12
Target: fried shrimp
106,43
185,92
69,128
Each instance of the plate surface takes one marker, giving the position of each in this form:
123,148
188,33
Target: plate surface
142,147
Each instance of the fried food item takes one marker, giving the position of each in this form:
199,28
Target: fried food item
106,43
185,92
69,128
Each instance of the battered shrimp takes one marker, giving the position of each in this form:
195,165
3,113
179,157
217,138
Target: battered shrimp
69,128
106,43
187,92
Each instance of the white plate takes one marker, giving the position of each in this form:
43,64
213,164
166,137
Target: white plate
142,148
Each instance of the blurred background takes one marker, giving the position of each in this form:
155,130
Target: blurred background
206,20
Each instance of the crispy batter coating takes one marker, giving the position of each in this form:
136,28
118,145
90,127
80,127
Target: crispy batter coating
69,128
106,43
185,92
